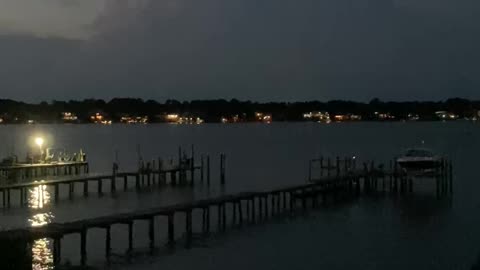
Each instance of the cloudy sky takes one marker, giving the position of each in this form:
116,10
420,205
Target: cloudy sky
247,49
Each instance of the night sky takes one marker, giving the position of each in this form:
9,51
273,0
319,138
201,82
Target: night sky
247,49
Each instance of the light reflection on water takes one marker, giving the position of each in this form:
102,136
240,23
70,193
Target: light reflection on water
38,198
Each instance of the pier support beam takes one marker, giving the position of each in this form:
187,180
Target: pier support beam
171,230
188,229
83,247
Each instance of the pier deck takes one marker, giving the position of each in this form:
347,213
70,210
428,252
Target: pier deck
140,179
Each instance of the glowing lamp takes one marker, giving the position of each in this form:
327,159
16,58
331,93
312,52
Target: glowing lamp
39,141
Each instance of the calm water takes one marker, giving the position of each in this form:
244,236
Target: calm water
419,232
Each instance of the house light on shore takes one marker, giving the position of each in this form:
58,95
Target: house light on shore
232,119
134,120
263,117
347,117
172,117
69,117
98,118
444,115
317,116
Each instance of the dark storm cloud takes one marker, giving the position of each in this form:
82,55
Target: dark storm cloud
258,49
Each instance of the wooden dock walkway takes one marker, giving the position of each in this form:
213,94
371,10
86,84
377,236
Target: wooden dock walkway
23,171
245,208
172,175
156,172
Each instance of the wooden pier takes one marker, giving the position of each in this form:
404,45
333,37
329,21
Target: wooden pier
246,208
382,178
339,180
185,173
22,171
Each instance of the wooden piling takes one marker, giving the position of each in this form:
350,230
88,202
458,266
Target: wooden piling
208,170
338,166
188,224
113,183
99,187
83,247
192,167
222,169
171,229
151,233
130,236
57,253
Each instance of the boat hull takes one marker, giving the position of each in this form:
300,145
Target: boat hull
418,164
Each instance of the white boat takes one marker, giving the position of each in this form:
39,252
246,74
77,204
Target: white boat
418,159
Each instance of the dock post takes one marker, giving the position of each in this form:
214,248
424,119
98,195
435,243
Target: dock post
57,247
192,166
347,164
57,193
113,183
137,180
219,216
152,172
85,188
130,236
310,171
151,233
71,190
272,199
208,220
149,173
21,196
321,166
266,206
204,219
8,198
450,176
162,178
179,156
260,208
395,177
125,182
188,225
277,195
208,170
338,166
253,210
240,212
201,169
224,217
83,247
329,166
234,213
171,230
99,185
247,215
108,242
222,169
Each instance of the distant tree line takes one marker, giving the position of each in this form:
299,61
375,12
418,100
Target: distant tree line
213,110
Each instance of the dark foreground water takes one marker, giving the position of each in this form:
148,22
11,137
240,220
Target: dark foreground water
418,232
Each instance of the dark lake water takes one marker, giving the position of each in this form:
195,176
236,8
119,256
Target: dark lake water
417,232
